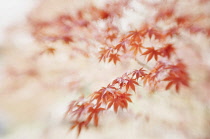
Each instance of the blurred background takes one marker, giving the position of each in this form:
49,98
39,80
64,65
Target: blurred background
36,88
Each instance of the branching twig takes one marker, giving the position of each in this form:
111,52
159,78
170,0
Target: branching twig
142,64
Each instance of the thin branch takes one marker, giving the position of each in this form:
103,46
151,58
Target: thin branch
142,64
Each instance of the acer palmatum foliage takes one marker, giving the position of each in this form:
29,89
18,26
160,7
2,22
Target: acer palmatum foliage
154,44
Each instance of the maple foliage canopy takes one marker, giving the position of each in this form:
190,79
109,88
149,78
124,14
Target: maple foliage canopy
166,71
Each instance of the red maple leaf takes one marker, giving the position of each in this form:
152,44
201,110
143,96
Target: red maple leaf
167,50
158,35
176,81
103,94
94,113
138,73
120,100
151,52
120,81
152,77
131,84
79,109
80,125
177,75
121,45
134,36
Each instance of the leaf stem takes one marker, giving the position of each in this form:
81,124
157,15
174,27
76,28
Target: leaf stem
142,64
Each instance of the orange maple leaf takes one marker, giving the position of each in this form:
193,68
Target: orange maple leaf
105,52
121,45
136,47
114,58
50,50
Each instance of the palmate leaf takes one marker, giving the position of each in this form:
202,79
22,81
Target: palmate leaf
134,36
93,113
79,125
121,45
138,73
131,84
150,53
77,107
114,57
104,53
120,100
167,50
177,76
120,81
156,33
176,81
80,109
136,48
151,79
102,95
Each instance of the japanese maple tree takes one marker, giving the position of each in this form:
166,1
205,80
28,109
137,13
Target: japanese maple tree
154,44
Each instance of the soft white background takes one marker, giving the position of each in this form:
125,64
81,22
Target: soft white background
12,12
